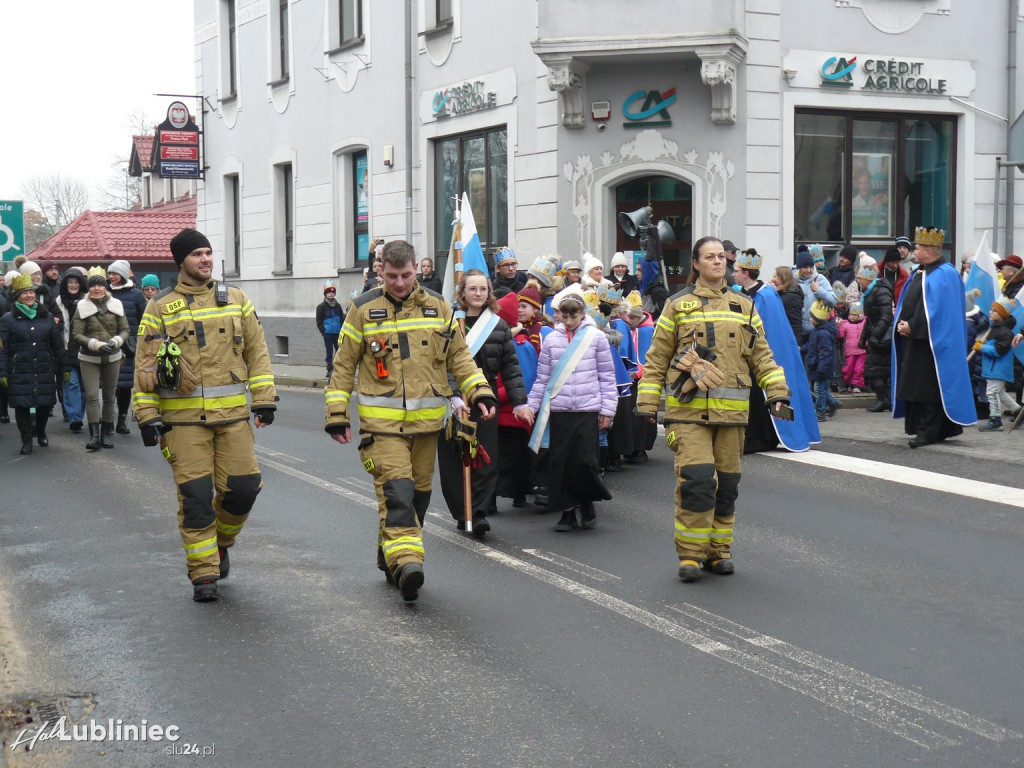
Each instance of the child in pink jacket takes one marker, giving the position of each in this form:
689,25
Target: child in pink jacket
849,332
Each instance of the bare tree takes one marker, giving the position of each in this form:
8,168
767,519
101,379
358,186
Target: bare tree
37,229
59,198
122,192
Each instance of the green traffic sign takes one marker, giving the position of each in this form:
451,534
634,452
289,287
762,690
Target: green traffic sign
12,229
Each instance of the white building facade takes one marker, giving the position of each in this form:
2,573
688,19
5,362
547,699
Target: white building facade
763,122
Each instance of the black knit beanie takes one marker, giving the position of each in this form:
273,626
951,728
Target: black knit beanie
186,241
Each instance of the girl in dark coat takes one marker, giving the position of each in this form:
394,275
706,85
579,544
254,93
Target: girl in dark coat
31,357
124,290
494,351
876,338
70,292
792,300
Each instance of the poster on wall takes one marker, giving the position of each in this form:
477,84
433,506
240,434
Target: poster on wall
871,205
362,246
362,190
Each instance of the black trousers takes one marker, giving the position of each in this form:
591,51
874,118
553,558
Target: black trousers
573,474
514,462
484,478
29,425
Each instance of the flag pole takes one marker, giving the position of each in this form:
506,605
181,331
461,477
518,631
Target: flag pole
455,254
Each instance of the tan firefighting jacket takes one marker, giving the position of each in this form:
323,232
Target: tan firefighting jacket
726,322
223,353
417,343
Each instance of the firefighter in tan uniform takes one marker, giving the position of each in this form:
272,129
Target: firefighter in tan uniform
709,348
200,347
396,348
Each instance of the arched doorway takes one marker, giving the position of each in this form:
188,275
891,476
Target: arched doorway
672,200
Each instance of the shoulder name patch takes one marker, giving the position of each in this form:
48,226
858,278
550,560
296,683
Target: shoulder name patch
378,314
176,305
686,306
430,312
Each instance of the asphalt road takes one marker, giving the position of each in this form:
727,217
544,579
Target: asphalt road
870,622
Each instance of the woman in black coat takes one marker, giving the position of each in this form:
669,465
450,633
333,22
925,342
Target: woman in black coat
876,338
792,300
495,354
123,289
31,356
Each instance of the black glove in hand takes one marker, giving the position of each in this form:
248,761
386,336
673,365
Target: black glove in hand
109,348
151,432
265,415
487,401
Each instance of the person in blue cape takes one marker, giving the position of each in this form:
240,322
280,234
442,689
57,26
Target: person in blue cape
930,379
765,432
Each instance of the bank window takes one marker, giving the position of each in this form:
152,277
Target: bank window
868,178
475,163
351,21
232,225
284,218
228,51
279,42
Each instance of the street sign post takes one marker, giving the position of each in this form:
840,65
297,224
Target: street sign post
12,229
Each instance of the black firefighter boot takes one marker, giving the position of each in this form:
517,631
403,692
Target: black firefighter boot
107,429
122,424
94,437
26,443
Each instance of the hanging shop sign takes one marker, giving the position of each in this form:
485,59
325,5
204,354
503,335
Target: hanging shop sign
478,94
878,74
177,144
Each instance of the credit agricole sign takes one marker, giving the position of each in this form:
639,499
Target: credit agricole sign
877,74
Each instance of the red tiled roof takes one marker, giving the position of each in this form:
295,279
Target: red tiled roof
142,155
137,236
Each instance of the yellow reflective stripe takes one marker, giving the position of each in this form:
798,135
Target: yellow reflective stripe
771,378
206,403
149,321
337,396
666,323
201,548
697,535
721,535
403,544
420,323
400,414
352,333
711,317
713,403
145,397
265,380
228,529
473,381
652,388
203,314
248,309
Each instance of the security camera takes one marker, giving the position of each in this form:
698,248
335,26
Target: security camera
602,126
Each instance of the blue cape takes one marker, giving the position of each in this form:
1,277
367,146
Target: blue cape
527,363
945,308
799,434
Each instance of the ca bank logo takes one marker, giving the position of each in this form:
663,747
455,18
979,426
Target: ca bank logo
838,72
654,103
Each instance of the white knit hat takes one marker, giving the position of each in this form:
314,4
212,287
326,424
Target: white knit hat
619,260
10,276
590,261
30,268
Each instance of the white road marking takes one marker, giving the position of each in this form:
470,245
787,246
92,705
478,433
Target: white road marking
572,565
885,705
918,478
278,455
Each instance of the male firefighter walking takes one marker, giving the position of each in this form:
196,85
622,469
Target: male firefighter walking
200,345
397,347
706,343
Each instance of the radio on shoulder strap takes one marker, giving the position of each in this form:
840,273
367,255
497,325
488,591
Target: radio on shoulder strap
222,295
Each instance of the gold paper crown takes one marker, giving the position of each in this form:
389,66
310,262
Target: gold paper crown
591,299
634,299
929,236
96,272
21,283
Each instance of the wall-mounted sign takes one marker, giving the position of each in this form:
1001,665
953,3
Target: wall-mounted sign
877,74
177,144
478,94
12,229
640,106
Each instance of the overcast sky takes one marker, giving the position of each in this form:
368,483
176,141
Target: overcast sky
72,74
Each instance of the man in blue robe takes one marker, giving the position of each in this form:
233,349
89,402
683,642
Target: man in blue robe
764,431
930,379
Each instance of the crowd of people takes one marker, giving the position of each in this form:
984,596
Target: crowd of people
69,339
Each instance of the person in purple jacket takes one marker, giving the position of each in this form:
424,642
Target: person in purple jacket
574,397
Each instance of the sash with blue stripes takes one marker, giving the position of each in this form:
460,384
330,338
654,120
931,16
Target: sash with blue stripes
578,347
481,330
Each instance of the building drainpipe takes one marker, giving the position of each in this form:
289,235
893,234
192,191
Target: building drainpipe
409,119
1011,116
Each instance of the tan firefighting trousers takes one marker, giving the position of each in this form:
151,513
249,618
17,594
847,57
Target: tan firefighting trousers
402,468
707,466
212,508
